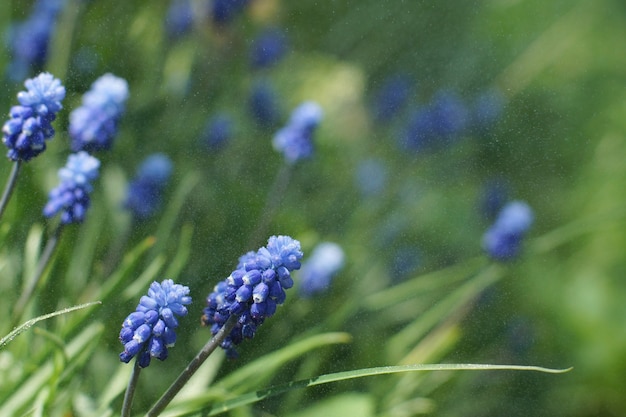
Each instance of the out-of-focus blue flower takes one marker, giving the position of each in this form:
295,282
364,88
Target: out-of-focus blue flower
437,124
325,262
486,110
391,97
494,196
179,18
71,197
503,239
149,331
223,11
253,290
93,125
30,125
29,40
263,104
145,192
218,131
371,176
295,140
268,48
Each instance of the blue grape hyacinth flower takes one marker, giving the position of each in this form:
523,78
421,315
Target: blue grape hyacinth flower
29,39
263,105
504,238
71,197
94,124
30,125
438,124
268,48
295,140
145,192
217,132
179,18
223,11
148,332
391,97
253,290
316,274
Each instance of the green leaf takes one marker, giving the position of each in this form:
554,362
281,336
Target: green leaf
30,388
405,339
28,324
257,396
243,378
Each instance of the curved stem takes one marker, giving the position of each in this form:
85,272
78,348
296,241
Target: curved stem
41,267
193,366
130,389
8,189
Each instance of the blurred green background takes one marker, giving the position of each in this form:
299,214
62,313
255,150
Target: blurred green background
558,143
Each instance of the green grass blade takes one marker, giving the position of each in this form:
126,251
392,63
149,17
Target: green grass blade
241,379
28,324
30,388
168,221
256,396
129,261
416,286
404,340
253,374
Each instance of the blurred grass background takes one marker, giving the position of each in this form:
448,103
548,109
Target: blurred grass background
558,144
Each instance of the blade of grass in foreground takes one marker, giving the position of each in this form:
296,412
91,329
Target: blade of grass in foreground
28,324
253,397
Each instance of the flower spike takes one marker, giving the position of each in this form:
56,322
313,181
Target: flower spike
148,332
253,290
30,125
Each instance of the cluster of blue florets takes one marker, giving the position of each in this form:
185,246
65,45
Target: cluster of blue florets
145,192
29,39
504,238
295,140
268,48
149,331
30,125
223,11
316,274
439,123
94,124
253,290
71,197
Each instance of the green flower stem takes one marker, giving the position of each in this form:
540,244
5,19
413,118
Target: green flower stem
274,197
48,251
8,189
193,366
130,389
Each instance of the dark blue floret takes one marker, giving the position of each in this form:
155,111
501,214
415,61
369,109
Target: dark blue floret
391,97
145,192
179,18
253,290
263,104
30,125
217,132
438,124
223,11
149,331
503,239
71,197
268,48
